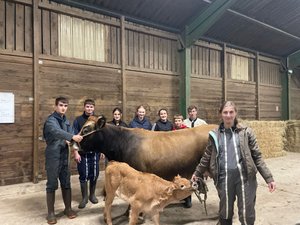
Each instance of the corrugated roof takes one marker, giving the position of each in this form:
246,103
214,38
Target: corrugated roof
267,26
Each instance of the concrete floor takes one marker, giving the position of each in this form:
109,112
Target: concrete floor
25,203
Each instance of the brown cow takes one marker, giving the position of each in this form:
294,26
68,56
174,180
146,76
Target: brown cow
165,154
145,192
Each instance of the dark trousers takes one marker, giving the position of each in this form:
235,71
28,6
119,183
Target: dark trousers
88,168
57,168
246,195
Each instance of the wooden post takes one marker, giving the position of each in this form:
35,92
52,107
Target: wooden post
257,81
224,70
123,65
35,63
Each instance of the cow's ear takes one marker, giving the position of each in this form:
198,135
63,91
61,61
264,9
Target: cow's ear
101,121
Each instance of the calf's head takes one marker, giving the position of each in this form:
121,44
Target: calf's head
182,188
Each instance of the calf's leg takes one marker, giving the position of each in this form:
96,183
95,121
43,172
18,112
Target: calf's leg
155,219
107,210
133,215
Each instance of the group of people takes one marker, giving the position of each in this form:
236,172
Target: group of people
232,158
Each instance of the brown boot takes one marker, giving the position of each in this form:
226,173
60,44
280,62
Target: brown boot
67,197
51,219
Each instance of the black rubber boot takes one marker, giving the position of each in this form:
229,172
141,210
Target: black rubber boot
84,193
92,197
67,197
51,219
188,202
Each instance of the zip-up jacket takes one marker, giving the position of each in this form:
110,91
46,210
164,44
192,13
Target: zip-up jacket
250,153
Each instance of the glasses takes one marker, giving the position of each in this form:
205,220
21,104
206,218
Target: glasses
63,105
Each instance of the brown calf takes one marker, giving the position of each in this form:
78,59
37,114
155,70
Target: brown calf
144,192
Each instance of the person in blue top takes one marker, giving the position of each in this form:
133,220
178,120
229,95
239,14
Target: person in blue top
87,162
58,132
140,121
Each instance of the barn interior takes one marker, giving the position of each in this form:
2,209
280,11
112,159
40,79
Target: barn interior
125,53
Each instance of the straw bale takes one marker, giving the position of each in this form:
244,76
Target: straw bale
270,136
293,136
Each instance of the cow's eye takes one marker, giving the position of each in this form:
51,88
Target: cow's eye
86,130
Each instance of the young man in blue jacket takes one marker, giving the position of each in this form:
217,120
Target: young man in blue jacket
57,133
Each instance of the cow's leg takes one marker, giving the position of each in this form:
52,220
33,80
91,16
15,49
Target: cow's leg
155,219
133,215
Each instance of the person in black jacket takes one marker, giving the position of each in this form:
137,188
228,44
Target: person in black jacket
163,124
87,162
117,118
57,133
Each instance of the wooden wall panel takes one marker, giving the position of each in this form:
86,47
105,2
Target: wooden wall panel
46,28
28,29
243,94
154,91
10,26
16,138
20,34
54,33
270,102
77,82
206,94
151,52
2,24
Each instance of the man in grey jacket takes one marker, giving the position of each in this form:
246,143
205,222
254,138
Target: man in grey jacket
57,133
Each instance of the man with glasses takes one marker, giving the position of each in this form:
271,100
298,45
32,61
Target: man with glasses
57,133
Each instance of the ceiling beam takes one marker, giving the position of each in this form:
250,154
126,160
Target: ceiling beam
194,30
294,60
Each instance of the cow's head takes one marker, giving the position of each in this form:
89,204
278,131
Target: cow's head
92,125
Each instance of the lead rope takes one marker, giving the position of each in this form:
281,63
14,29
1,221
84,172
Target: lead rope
202,189
77,146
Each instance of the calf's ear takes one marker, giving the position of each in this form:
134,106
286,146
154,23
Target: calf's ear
101,121
170,189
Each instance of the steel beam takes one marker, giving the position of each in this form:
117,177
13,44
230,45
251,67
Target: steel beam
205,20
185,80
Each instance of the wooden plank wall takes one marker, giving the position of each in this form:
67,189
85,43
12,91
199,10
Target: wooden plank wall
243,94
76,82
207,96
17,138
154,91
151,52
270,90
15,26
